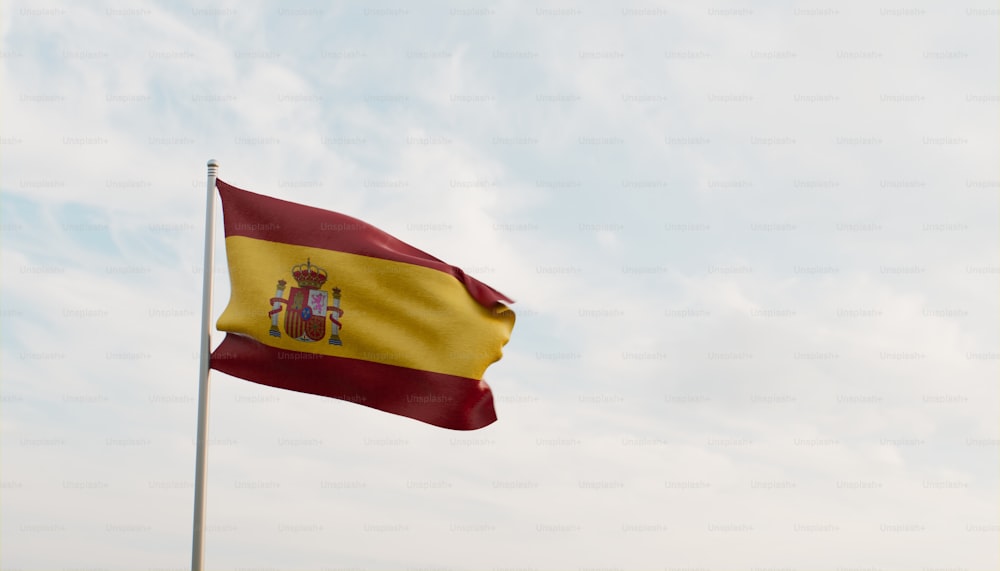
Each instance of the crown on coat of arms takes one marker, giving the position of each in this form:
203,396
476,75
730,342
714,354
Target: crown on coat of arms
309,275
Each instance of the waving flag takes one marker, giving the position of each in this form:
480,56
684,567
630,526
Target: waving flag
326,304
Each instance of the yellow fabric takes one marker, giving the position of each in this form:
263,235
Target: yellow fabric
394,313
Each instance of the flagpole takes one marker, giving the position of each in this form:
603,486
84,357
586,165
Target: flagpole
208,269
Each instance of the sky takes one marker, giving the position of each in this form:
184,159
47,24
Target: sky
753,248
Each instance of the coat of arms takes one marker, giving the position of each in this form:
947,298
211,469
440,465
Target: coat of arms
307,306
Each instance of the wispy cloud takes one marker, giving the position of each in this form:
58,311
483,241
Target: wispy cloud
753,249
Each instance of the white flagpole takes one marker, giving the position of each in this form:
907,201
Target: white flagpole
208,269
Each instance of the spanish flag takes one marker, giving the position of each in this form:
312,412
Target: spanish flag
326,304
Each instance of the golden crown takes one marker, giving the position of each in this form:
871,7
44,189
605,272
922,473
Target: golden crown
309,275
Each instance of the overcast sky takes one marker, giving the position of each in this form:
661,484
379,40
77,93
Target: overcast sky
753,248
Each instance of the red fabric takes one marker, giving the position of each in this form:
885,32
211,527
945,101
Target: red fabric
267,218
442,400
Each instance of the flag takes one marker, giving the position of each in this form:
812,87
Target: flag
326,304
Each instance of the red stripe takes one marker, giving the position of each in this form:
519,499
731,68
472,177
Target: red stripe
442,400
262,217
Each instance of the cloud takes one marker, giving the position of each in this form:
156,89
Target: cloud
752,248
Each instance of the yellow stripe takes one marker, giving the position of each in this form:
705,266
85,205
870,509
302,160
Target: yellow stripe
394,313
